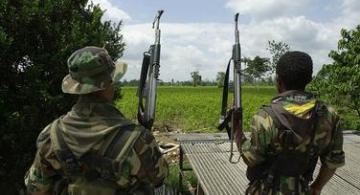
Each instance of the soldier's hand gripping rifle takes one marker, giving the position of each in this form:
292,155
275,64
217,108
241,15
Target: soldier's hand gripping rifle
148,79
232,119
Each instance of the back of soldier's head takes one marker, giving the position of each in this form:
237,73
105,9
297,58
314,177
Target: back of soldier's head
294,69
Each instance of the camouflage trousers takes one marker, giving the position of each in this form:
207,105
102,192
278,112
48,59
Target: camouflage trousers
286,186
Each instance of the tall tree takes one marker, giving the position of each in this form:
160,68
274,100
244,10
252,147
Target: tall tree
276,49
196,78
36,38
220,77
257,67
339,82
246,77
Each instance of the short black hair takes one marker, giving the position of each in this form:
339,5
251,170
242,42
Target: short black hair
294,69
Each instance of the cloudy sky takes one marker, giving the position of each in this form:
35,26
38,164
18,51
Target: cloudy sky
197,35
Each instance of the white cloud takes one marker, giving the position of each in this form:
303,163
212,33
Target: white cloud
267,9
350,15
112,12
206,47
185,48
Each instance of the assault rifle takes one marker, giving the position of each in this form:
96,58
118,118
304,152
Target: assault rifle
232,119
149,77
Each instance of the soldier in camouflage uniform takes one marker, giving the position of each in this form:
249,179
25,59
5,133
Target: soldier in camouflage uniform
93,149
289,135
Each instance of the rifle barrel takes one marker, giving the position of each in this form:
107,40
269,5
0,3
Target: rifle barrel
157,18
237,33
237,65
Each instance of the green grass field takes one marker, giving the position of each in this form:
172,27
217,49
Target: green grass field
194,108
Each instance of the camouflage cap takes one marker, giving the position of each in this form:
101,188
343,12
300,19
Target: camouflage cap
91,69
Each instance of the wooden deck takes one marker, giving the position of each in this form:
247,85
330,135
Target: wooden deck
208,155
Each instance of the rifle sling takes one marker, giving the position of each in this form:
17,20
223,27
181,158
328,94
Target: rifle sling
227,119
225,90
142,83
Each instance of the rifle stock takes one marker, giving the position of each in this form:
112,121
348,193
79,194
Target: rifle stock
148,79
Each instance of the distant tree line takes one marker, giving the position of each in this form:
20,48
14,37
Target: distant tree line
135,82
257,70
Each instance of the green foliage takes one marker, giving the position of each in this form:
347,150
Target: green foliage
276,49
257,67
196,78
339,82
194,109
173,177
36,38
220,77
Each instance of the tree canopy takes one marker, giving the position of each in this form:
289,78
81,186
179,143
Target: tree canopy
257,67
220,77
276,49
196,78
339,82
36,38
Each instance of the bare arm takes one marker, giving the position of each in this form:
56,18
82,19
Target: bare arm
323,177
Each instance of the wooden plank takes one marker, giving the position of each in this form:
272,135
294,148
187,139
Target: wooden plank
337,186
347,178
201,136
165,190
217,175
352,139
351,171
206,147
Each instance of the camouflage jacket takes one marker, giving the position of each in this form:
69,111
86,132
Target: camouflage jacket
265,144
90,127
